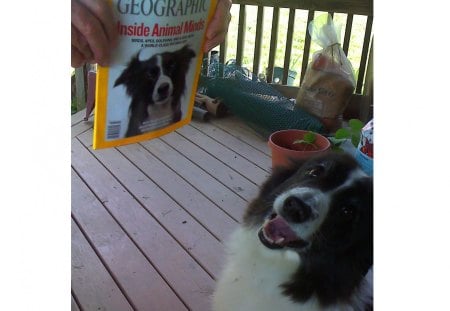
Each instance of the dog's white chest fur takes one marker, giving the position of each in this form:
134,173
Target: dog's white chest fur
159,116
251,278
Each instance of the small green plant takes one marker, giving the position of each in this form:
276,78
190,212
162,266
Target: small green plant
308,140
352,132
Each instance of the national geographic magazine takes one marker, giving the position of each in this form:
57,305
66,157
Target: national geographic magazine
149,88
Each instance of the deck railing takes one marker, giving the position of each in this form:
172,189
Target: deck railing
348,7
361,105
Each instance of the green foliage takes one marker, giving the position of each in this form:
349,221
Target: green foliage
352,132
73,106
309,139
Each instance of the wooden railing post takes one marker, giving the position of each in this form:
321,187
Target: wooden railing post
258,40
241,35
273,43
306,47
81,86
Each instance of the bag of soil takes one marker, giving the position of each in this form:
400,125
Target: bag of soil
329,79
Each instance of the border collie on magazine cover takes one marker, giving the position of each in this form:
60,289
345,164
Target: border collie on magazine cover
306,242
155,84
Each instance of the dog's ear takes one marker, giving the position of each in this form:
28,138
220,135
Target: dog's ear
124,76
186,53
278,176
127,75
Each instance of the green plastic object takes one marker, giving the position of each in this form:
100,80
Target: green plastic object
255,101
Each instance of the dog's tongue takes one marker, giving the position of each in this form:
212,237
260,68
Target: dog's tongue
277,229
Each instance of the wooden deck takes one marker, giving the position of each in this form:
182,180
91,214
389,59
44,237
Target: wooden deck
149,220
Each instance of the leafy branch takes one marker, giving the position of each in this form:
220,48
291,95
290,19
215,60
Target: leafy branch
353,132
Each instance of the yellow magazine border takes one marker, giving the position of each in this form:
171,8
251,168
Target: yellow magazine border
101,98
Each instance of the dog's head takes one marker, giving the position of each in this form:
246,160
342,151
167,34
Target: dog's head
322,209
323,205
158,78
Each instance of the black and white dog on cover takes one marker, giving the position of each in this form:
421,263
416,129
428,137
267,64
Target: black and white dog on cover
155,84
306,242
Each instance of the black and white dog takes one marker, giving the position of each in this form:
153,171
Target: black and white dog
155,84
306,242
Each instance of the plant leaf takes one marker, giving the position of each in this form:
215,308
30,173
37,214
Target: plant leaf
335,141
310,137
355,140
299,141
342,133
355,125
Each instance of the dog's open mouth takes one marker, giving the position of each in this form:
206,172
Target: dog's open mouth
276,233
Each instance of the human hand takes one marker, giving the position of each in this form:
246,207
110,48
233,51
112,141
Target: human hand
218,27
94,33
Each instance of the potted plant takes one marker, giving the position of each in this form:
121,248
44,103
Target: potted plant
290,145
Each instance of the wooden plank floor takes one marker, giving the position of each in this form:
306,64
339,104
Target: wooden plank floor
149,220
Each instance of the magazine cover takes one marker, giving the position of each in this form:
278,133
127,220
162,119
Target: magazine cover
149,88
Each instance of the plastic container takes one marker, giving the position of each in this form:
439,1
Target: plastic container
364,152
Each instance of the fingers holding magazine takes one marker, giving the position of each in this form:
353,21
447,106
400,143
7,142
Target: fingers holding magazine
218,27
94,33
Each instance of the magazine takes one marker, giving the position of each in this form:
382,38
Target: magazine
149,88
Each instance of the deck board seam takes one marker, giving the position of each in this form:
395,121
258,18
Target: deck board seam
75,298
84,131
206,172
78,116
97,253
76,123
225,129
218,159
235,151
187,181
147,211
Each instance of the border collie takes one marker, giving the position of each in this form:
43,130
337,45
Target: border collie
155,84
306,242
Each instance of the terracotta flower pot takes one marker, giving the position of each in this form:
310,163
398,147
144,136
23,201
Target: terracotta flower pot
284,151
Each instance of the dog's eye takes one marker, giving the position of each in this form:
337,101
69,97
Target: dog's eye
171,66
152,73
315,171
347,211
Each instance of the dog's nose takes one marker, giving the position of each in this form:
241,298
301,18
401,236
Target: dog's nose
163,90
296,210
